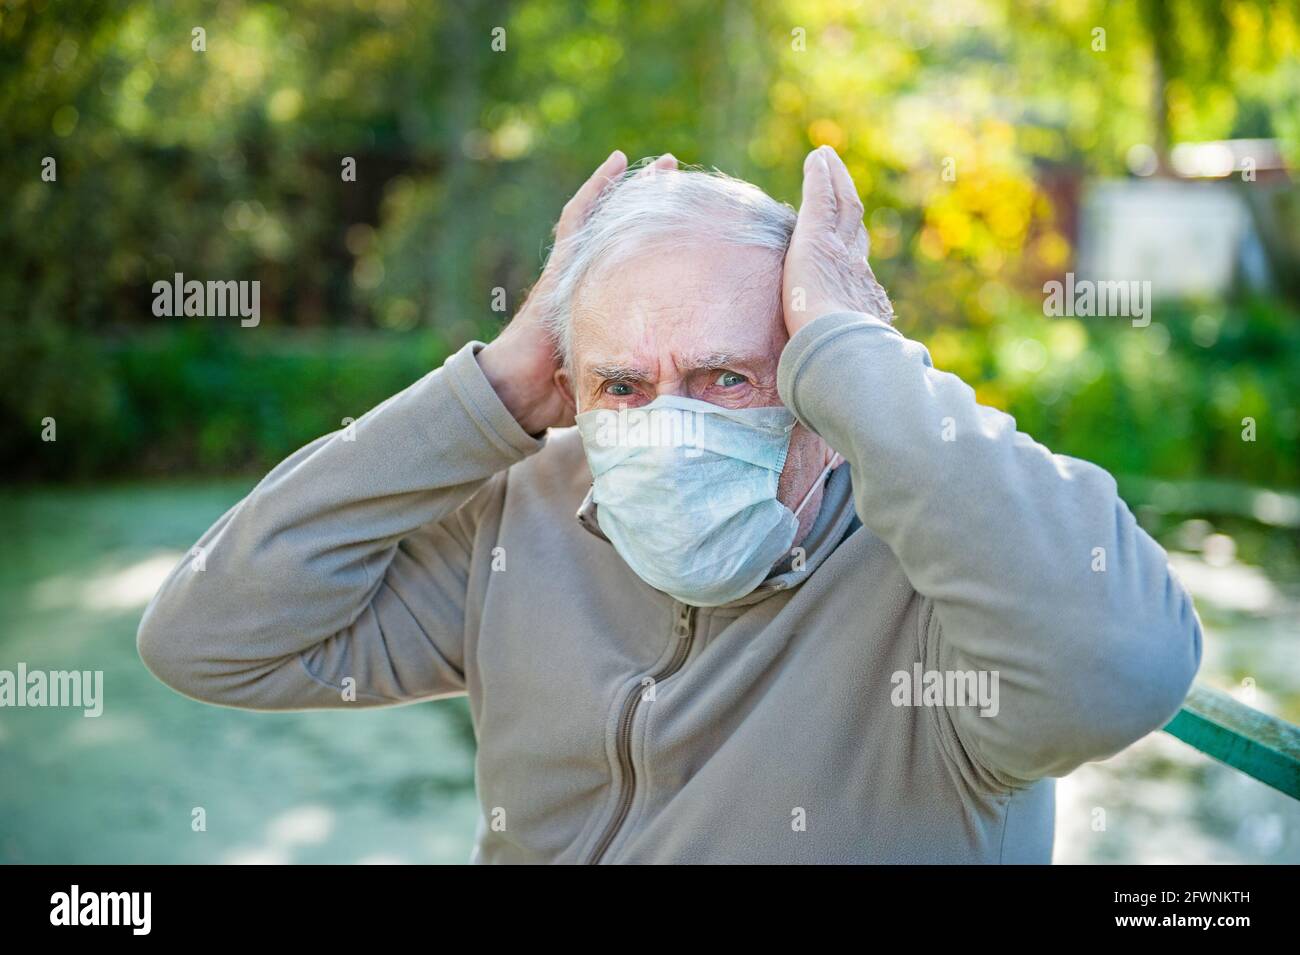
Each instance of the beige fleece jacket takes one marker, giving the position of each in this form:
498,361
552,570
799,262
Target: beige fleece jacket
436,549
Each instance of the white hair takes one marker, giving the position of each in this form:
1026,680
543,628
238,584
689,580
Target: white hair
660,207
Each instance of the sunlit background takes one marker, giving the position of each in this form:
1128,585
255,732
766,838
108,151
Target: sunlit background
997,146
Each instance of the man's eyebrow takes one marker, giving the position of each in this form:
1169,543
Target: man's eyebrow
715,359
616,371
612,371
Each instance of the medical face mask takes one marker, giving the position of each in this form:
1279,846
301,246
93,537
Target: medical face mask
687,493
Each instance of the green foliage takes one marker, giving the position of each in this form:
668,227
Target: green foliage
1163,401
1170,400
191,399
225,164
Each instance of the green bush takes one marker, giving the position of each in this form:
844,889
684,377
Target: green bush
1169,400
1163,401
190,399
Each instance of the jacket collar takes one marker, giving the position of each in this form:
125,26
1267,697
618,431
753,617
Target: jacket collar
835,520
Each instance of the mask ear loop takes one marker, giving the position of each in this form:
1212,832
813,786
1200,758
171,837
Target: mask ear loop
836,460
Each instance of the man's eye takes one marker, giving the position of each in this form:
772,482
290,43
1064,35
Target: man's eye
613,389
730,379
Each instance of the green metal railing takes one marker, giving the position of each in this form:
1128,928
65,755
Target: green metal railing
1255,743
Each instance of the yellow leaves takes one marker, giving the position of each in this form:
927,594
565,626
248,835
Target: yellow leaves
953,226
1008,221
1283,34
930,244
1052,251
1247,27
826,132
950,350
992,395
985,213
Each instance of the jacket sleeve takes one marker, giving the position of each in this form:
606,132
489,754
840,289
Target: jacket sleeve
1031,564
341,579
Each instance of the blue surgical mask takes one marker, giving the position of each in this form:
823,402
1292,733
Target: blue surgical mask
687,493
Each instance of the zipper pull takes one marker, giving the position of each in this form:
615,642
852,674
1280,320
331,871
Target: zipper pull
685,620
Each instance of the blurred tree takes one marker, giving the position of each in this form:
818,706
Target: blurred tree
471,123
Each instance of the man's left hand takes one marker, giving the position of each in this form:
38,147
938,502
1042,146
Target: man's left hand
826,267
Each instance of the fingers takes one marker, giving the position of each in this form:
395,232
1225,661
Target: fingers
848,206
830,199
575,210
817,205
665,163
613,167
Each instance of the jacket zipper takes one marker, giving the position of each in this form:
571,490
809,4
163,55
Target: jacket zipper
684,630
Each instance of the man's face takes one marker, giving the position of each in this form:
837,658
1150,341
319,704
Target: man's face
698,321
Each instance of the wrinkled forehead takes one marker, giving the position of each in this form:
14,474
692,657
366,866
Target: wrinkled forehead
683,303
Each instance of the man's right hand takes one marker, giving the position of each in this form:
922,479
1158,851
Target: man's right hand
521,362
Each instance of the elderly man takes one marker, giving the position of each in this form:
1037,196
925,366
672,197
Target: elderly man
845,614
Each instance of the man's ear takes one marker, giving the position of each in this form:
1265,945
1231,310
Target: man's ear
564,385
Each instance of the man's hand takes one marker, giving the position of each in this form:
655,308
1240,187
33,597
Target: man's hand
826,266
521,362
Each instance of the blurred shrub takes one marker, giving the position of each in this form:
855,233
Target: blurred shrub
190,399
1162,401
1168,400
967,127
